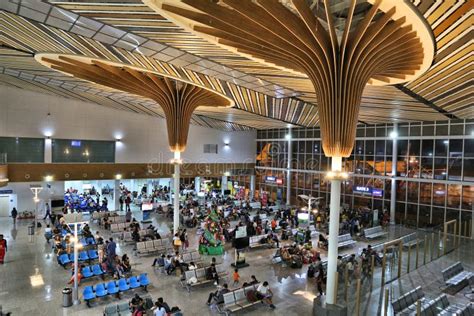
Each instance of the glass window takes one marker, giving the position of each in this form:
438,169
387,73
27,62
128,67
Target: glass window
441,130
424,214
380,147
369,147
360,132
388,147
381,131
402,166
469,129
454,195
19,149
440,168
414,148
428,130
454,169
317,147
412,193
427,147
437,217
426,168
401,190
441,146
468,170
457,129
415,130
439,194
359,147
467,197
370,132
402,147
67,150
469,148
412,212
402,130
425,193
455,148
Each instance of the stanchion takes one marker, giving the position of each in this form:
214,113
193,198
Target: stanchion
336,287
470,228
425,245
358,298
385,309
417,254
384,262
432,246
466,229
437,244
400,253
418,308
372,267
459,234
346,283
408,259
454,234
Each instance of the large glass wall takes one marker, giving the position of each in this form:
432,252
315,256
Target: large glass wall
434,168
83,151
21,149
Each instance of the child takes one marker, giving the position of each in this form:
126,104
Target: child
236,277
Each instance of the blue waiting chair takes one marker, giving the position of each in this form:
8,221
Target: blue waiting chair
86,272
143,278
97,270
71,256
123,285
88,294
133,282
83,256
112,288
90,241
100,290
64,260
93,255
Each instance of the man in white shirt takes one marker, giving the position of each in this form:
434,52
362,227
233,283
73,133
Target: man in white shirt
265,294
159,310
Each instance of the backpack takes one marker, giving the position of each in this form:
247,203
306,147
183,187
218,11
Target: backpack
296,264
251,296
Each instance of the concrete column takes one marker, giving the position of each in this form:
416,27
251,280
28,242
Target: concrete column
223,184
177,162
48,151
197,184
252,186
116,204
334,209
393,195
149,186
288,167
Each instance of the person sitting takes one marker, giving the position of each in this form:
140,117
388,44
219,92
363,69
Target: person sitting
218,296
136,303
169,265
164,304
265,294
211,274
160,261
159,310
126,266
253,280
48,233
323,242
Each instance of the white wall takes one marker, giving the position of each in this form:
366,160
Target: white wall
144,138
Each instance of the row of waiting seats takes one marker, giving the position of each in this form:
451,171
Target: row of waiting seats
86,255
345,240
115,287
199,277
119,227
374,232
99,215
152,246
126,236
92,271
238,300
456,278
407,304
256,241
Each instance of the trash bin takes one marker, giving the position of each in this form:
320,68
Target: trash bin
67,297
31,230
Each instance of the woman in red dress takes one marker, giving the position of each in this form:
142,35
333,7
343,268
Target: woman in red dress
3,248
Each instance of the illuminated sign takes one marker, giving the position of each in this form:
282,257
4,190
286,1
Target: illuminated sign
377,192
75,143
279,181
270,179
361,189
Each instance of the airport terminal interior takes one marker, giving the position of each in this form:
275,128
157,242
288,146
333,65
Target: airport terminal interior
236,157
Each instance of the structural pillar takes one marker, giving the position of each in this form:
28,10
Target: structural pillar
393,192
197,184
334,209
48,150
117,193
177,162
76,266
252,186
223,184
288,168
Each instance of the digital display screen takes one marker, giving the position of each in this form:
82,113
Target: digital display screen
75,143
147,206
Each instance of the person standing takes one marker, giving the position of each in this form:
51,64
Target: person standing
48,212
3,249
14,215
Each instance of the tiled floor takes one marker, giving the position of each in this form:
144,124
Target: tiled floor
31,281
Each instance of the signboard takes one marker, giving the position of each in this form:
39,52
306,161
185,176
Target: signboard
377,192
270,179
241,232
279,181
6,191
361,189
75,143
147,206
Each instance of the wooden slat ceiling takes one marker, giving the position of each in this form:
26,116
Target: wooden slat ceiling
127,31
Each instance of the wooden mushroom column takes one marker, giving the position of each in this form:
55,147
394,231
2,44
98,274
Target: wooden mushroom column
385,42
177,99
